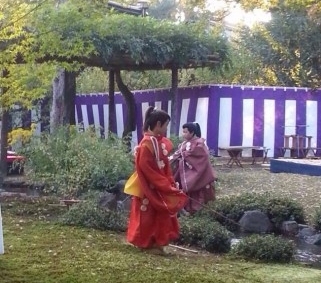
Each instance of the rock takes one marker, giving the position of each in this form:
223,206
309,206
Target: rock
306,232
255,221
108,201
115,199
290,228
317,240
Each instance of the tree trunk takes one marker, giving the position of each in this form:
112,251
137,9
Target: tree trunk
111,104
69,98
3,146
63,100
4,138
174,109
130,123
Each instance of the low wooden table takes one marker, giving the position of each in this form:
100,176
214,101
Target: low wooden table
235,153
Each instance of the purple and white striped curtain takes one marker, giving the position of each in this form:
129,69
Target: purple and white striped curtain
228,115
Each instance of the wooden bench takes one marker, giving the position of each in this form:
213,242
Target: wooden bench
298,145
259,152
313,150
235,153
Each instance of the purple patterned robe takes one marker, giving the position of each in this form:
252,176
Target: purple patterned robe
194,173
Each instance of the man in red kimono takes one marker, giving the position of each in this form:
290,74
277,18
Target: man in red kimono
153,217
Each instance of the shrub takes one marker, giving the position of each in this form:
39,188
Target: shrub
283,209
176,140
88,214
70,163
204,233
316,219
267,248
229,210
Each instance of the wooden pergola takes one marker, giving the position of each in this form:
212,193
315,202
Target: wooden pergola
114,65
123,62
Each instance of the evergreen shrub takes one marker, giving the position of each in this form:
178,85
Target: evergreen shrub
71,163
204,233
316,218
88,214
229,210
268,248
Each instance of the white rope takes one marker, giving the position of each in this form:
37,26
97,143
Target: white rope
183,161
1,235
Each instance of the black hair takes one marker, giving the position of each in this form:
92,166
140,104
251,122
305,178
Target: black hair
152,116
193,127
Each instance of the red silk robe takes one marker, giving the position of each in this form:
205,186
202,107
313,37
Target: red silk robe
153,218
193,171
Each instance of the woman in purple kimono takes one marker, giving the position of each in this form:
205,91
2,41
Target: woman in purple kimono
192,168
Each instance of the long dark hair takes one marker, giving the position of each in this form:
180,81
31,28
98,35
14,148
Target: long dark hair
193,127
152,116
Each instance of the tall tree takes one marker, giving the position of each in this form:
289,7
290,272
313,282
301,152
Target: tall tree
289,46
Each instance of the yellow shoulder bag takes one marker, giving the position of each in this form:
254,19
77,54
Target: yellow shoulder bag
133,186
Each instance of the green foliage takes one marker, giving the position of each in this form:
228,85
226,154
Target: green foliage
279,4
68,34
283,209
267,248
316,218
26,84
294,60
176,140
204,233
157,42
70,163
43,251
92,80
229,210
88,214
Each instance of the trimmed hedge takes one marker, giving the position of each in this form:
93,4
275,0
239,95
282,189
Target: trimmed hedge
267,248
204,233
229,210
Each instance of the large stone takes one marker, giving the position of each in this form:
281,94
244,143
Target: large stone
255,221
290,228
317,240
108,201
115,199
307,232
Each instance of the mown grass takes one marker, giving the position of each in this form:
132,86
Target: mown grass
303,189
38,249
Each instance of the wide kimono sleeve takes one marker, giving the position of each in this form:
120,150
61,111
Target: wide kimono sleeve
159,179
157,184
196,167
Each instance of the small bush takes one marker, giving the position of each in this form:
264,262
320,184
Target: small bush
204,233
316,219
71,163
229,210
176,140
88,214
283,209
267,248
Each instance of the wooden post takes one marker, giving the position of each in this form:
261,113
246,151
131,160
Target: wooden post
111,104
69,98
174,109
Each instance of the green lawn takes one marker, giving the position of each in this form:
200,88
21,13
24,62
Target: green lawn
39,250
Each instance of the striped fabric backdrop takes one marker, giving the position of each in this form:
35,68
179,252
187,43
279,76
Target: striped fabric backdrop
228,115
